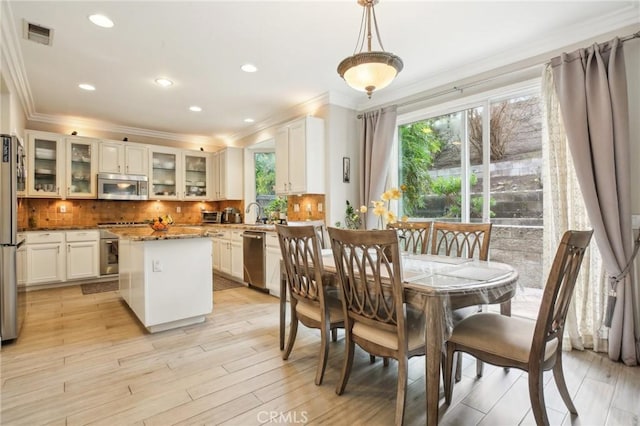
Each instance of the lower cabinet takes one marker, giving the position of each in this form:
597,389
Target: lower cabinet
45,257
54,257
237,256
21,262
82,254
227,256
272,262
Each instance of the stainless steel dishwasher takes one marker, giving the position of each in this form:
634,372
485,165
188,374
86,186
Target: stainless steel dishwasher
253,250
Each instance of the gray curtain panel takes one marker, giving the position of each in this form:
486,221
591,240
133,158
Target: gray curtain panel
592,90
376,137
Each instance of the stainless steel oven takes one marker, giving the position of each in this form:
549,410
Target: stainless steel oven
108,253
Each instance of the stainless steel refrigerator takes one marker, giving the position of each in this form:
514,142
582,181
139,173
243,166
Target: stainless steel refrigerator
12,180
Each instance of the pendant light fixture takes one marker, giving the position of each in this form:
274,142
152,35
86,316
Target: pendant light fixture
369,70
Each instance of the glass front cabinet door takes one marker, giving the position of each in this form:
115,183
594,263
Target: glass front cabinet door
46,155
81,168
163,179
196,175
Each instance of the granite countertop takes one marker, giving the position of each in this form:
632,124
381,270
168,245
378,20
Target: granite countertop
175,231
243,226
57,228
147,234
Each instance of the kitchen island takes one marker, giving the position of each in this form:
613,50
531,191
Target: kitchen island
165,276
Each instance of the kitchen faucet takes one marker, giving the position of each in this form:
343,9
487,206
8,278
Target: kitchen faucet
258,210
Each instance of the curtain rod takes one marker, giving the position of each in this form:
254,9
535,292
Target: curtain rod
461,88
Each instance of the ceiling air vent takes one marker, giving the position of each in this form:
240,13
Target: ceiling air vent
38,33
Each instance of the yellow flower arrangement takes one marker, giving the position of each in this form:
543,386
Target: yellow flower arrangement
381,208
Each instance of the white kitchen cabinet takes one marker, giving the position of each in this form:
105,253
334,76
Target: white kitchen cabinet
272,263
45,164
45,257
165,173
82,254
227,174
215,254
123,158
81,168
221,257
21,261
300,157
196,170
237,256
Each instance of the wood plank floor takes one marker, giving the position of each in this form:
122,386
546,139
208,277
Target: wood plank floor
86,360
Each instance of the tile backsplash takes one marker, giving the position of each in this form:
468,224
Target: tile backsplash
35,213
310,206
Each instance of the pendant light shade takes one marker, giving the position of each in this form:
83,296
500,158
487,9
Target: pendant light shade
370,70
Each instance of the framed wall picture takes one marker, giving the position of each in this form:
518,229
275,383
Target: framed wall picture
346,169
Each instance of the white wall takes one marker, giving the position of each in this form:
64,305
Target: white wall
12,117
342,141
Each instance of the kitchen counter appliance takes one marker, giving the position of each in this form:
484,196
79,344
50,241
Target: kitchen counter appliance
211,217
122,187
12,180
231,215
108,253
253,250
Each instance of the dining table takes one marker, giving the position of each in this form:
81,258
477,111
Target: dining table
437,285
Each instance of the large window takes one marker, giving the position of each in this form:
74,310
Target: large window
265,174
450,173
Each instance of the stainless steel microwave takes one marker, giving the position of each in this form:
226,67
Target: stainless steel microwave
122,187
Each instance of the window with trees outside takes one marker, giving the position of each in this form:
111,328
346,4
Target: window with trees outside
481,162
442,164
265,168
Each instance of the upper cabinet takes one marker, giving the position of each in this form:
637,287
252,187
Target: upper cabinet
81,168
164,174
227,176
61,167
300,157
196,173
45,164
123,158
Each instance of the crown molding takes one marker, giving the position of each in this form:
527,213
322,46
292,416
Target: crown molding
13,57
308,107
105,126
539,51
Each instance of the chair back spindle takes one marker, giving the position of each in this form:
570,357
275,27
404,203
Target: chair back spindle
468,240
413,236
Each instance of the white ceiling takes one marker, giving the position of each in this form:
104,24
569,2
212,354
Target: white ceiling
295,44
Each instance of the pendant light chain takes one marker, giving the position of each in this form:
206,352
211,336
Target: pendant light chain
360,40
375,22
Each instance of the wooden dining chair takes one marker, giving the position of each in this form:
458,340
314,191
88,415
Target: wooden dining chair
532,346
313,303
413,236
468,240
376,317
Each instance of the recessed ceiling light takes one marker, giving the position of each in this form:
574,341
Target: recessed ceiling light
249,120
101,21
86,86
195,108
249,68
164,82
